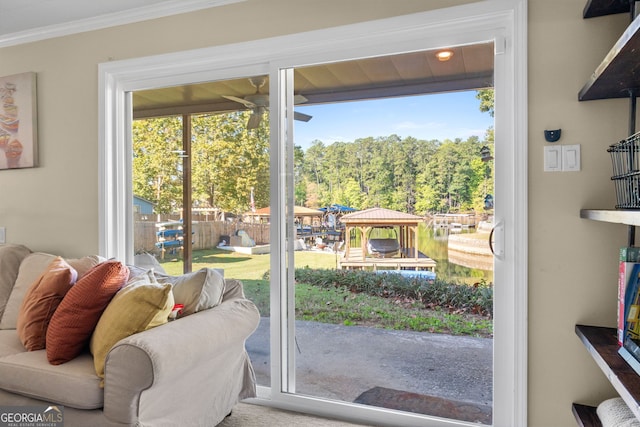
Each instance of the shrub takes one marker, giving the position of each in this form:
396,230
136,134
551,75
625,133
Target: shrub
452,296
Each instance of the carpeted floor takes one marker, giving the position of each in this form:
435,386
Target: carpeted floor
248,415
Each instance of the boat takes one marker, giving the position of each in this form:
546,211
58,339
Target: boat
383,248
380,245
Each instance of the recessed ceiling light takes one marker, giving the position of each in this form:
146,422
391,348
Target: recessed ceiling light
444,55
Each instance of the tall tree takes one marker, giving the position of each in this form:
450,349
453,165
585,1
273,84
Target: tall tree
300,185
487,101
229,161
157,165
314,166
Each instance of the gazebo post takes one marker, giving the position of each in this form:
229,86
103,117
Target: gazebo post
363,241
415,241
347,241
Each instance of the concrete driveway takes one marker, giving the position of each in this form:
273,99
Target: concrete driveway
341,362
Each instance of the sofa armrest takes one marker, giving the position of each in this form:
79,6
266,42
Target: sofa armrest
186,372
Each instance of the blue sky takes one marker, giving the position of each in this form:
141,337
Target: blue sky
439,116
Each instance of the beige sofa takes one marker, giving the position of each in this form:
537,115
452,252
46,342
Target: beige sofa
187,372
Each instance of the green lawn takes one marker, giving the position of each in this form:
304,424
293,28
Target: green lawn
245,267
337,305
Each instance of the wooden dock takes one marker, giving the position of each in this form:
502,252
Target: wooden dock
453,221
357,262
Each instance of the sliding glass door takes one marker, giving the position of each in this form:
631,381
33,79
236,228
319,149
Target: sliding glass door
366,235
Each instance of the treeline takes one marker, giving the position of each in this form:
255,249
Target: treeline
229,164
407,175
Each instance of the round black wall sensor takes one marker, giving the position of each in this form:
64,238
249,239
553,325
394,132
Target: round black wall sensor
552,135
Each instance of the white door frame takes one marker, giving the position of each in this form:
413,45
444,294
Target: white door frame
502,21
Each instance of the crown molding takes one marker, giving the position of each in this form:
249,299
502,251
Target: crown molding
129,16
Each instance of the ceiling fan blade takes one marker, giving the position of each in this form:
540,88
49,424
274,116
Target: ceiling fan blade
299,99
301,116
242,101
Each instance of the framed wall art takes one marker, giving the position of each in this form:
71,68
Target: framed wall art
18,121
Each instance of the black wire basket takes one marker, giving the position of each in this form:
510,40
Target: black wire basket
625,157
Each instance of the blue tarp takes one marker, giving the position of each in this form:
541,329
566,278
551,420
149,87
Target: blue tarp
428,275
337,208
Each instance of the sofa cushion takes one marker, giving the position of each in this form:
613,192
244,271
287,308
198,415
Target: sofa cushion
31,268
41,301
10,343
10,258
197,291
77,315
85,264
73,384
142,304
148,262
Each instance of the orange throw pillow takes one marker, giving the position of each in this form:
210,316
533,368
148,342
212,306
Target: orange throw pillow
77,315
40,302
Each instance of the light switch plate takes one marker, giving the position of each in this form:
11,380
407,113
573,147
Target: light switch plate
571,158
552,158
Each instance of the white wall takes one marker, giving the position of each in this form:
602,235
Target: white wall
572,262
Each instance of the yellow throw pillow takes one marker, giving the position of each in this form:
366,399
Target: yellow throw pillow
142,304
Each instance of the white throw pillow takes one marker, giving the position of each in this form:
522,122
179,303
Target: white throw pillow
149,262
197,291
31,268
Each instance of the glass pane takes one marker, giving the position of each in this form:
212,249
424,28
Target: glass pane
229,190
394,278
158,187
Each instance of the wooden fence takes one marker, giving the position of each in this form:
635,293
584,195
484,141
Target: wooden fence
206,234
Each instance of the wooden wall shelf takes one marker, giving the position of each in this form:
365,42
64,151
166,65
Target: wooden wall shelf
586,416
615,216
602,344
619,72
595,8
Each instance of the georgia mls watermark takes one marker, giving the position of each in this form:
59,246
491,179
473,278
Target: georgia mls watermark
32,416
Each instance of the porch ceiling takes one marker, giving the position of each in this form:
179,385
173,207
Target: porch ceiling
416,73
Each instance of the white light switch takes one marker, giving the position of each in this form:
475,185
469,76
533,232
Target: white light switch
552,158
571,158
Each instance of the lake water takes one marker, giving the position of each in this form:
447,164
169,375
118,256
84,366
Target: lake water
452,266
